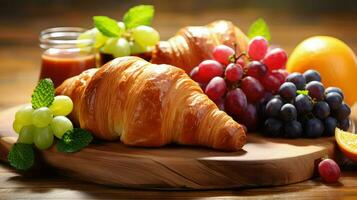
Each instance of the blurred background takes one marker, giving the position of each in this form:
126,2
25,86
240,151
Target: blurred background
290,22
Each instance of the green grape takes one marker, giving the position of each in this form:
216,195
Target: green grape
24,115
121,25
92,34
60,125
122,48
61,105
100,39
26,134
136,48
42,117
43,137
117,47
145,35
88,35
17,126
109,46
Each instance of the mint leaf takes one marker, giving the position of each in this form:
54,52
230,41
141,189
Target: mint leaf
74,140
21,156
139,15
107,26
44,94
259,28
304,92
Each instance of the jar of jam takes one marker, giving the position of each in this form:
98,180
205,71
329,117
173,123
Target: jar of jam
65,55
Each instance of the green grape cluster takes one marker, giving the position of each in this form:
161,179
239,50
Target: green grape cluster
133,41
39,126
133,35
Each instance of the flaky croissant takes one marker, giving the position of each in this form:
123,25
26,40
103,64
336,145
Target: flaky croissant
193,44
149,105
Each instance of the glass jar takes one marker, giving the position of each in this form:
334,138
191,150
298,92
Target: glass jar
64,54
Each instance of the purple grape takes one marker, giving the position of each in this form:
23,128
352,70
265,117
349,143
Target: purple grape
321,110
273,127
298,80
344,124
273,107
333,99
303,104
342,112
312,75
288,112
313,128
334,89
287,91
316,90
330,126
293,129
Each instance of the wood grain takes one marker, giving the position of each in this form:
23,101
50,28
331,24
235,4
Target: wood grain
262,162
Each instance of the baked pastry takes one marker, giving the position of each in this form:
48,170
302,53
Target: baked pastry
149,105
193,44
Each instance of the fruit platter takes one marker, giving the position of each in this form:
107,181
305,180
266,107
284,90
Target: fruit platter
212,107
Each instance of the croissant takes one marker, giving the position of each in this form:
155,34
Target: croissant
149,105
193,44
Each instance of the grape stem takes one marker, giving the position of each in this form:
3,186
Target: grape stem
233,58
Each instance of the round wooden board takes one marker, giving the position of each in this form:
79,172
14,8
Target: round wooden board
262,162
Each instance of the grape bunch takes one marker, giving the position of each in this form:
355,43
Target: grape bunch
240,84
39,126
304,108
133,41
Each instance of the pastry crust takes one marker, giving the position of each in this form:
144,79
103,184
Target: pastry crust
193,44
149,105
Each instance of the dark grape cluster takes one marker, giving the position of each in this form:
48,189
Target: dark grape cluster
240,84
304,108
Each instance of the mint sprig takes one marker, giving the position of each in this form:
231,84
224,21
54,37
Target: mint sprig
21,156
44,94
107,26
74,140
139,15
259,28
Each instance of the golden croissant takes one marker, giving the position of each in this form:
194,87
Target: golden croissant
149,105
193,44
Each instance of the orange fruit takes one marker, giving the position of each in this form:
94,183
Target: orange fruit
335,61
347,142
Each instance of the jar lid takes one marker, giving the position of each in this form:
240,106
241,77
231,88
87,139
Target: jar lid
63,38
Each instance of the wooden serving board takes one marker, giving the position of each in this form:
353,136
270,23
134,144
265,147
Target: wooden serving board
262,162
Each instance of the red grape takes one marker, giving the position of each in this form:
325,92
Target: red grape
220,103
270,83
329,171
252,88
216,88
234,72
202,86
257,48
256,69
280,74
241,62
249,117
194,74
209,69
221,53
236,101
275,59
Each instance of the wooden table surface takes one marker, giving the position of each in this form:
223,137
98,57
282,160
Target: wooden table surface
20,65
